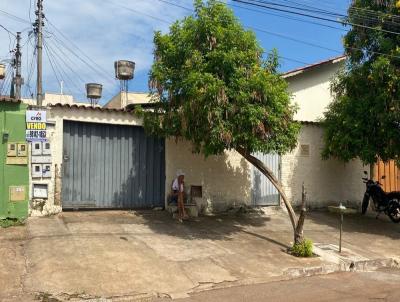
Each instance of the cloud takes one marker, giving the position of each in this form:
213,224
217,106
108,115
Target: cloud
98,32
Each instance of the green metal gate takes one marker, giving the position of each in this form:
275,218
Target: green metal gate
14,172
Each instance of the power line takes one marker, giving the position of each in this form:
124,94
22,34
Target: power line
7,30
366,13
31,70
291,38
333,14
15,18
343,22
311,7
294,60
287,17
65,55
61,72
78,82
259,11
304,8
51,63
191,10
94,66
176,5
7,80
139,12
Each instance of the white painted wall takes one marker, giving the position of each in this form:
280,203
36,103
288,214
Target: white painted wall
311,90
225,178
327,182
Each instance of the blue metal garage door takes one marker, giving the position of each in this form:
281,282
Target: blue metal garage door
263,192
111,166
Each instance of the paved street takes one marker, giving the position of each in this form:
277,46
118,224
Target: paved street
143,254
354,287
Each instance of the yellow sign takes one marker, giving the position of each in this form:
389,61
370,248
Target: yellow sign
36,126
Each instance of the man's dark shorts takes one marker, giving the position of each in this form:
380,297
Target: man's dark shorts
174,197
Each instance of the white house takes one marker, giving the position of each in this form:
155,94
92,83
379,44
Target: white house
229,180
101,158
327,181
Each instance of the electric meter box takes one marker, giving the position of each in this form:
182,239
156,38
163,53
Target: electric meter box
36,171
22,150
46,149
37,148
46,170
40,191
12,149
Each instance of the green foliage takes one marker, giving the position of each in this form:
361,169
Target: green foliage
210,85
364,119
303,249
9,222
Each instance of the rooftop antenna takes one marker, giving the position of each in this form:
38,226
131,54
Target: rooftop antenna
124,71
61,90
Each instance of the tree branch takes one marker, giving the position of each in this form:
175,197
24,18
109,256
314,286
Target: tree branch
269,174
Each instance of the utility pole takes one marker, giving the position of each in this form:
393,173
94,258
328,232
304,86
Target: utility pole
18,81
39,48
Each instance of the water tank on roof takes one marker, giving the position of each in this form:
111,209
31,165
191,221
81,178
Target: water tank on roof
124,70
2,71
93,90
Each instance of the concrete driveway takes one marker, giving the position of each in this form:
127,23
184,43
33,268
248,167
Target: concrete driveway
132,255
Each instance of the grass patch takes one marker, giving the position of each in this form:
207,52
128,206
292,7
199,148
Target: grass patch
303,249
10,222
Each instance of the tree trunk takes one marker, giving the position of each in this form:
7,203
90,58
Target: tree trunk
269,174
299,235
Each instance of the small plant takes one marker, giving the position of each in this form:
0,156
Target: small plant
9,222
303,249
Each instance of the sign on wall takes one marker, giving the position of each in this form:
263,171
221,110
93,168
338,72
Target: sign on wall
36,127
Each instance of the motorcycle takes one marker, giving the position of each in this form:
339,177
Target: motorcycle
388,203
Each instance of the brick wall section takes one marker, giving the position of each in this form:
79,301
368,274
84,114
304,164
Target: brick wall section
225,179
327,182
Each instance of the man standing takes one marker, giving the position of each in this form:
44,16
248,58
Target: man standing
178,191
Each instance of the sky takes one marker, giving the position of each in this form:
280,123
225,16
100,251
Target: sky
83,38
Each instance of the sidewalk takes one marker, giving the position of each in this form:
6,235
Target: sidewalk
147,254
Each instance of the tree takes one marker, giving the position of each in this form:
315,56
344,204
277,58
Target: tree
363,120
212,87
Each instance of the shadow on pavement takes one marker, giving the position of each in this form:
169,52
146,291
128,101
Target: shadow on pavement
219,227
356,223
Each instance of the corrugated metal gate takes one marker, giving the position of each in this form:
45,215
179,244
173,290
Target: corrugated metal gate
263,192
111,166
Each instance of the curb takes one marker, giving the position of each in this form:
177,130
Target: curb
289,274
344,266
295,273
